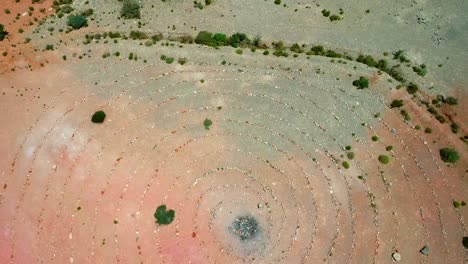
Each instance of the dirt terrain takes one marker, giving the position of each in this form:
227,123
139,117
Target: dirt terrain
292,144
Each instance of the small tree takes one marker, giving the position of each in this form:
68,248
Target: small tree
77,21
3,33
130,9
205,38
449,155
98,117
361,83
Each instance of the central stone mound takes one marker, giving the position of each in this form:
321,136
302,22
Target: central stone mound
245,227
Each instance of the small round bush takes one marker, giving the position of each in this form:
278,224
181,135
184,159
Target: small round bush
164,216
456,204
389,148
348,147
449,155
396,103
98,117
77,21
239,51
375,138
345,165
277,2
266,52
207,123
350,155
384,159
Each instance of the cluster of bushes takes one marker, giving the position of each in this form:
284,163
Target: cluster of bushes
405,115
420,70
369,61
220,39
457,204
167,59
320,50
327,13
137,35
130,9
441,99
436,114
199,5
361,83
400,55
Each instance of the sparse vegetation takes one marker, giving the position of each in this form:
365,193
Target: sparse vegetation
449,155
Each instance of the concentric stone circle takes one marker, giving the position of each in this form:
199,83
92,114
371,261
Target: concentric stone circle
276,140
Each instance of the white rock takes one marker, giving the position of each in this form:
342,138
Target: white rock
396,256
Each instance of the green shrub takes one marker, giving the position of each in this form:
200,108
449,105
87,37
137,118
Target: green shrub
334,17
164,216
384,159
345,165
182,61
361,83
207,123
375,138
368,60
348,147
350,155
130,9
389,148
465,242
449,155
88,12
455,128
220,38
137,35
456,204
325,13
421,70
169,60
49,47
405,115
451,100
205,38
239,51
277,2
396,103
77,21
412,88
98,117
428,130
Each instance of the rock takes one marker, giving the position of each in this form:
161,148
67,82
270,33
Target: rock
260,206
396,256
424,250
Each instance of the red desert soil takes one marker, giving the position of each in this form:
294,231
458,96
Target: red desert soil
21,55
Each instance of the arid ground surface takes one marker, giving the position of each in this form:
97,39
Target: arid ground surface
293,143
